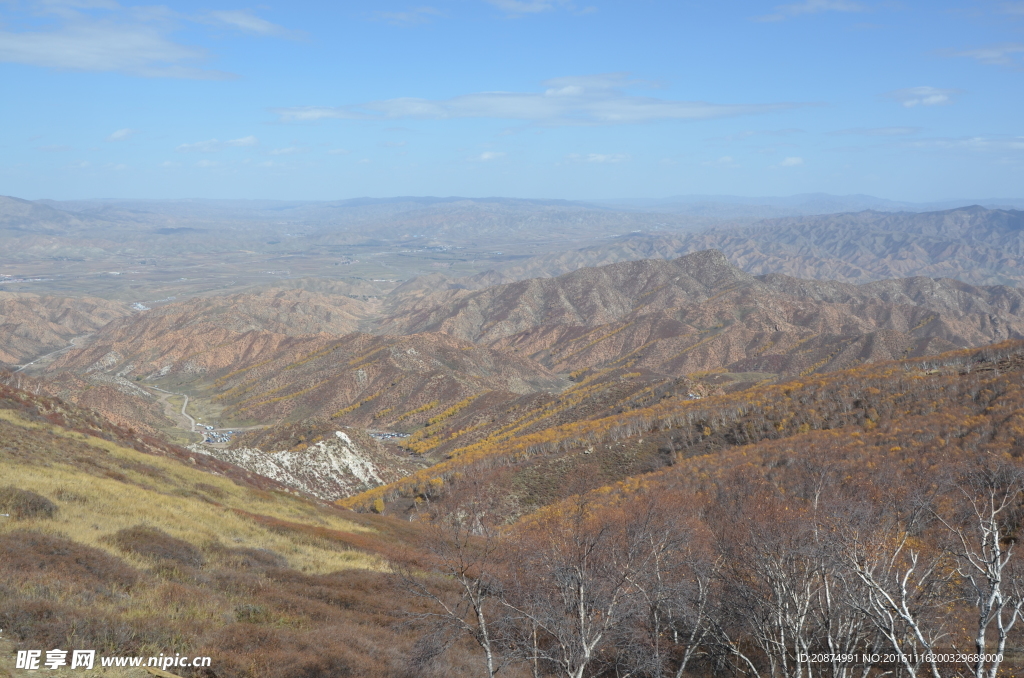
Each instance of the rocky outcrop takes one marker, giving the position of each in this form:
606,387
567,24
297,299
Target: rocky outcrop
329,469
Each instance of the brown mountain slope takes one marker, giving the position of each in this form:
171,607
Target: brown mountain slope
264,377
377,381
950,406
209,333
699,313
32,325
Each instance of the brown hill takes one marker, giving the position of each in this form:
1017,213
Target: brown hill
32,325
952,406
275,356
700,313
257,376
377,381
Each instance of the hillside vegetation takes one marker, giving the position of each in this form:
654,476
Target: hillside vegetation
153,550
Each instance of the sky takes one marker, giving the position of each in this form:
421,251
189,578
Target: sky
906,100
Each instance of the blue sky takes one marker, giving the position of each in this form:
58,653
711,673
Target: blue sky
523,98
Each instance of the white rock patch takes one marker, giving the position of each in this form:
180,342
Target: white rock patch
329,469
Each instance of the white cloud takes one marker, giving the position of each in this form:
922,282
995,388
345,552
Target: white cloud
170,163
212,145
976,143
490,155
248,22
995,55
523,6
290,150
121,134
880,131
922,96
418,15
587,100
598,157
208,146
83,43
811,7
724,161
339,151
104,36
791,162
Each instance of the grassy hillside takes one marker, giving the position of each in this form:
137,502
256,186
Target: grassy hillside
139,553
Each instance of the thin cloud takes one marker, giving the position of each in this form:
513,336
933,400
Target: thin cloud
879,131
123,44
213,145
243,142
792,161
922,96
724,161
339,151
811,7
587,100
247,22
290,150
208,146
1005,54
418,15
523,6
490,155
55,148
975,143
121,134
103,36
598,157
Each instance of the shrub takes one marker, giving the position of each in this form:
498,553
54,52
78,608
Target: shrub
252,558
21,504
46,556
150,542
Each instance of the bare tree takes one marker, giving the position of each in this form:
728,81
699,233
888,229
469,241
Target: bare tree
672,605
906,584
465,549
984,547
575,584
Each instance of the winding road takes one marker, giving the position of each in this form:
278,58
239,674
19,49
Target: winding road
59,350
167,404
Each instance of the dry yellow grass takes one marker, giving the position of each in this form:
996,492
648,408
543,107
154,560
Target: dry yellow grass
174,503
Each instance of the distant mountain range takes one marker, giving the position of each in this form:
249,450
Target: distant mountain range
972,244
743,207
